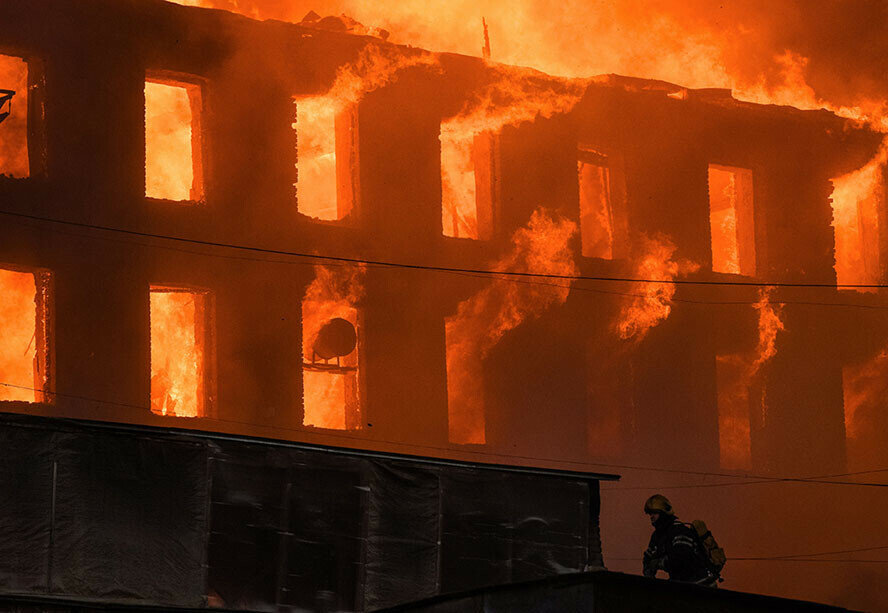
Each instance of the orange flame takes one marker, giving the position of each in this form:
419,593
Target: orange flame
320,176
770,322
14,130
331,397
376,66
316,157
178,361
18,341
515,95
482,320
172,151
651,302
855,199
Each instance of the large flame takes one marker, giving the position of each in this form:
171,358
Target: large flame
14,130
513,96
331,396
18,336
543,246
178,356
650,301
172,149
322,188
856,198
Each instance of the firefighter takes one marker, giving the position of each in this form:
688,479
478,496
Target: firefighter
674,546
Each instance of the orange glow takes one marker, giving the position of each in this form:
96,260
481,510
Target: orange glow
172,141
596,213
482,320
23,342
730,220
14,129
856,198
316,158
459,214
178,352
331,390
651,303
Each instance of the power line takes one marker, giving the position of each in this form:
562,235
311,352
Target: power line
366,440
732,559
729,484
426,267
481,274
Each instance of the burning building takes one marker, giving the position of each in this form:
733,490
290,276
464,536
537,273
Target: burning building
267,231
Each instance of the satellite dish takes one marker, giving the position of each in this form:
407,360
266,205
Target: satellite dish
337,338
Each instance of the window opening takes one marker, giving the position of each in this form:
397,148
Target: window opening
596,206
865,388
734,410
330,350
857,200
326,158
173,163
24,335
179,335
468,182
731,220
14,117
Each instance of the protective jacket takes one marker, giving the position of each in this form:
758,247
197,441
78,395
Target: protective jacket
674,548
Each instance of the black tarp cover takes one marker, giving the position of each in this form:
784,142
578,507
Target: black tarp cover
130,515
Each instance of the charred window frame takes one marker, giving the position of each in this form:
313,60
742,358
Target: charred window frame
731,219
601,187
200,314
15,287
159,185
469,204
326,179
22,116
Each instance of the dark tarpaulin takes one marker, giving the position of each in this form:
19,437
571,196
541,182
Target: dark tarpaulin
506,527
130,518
402,547
287,530
26,477
129,515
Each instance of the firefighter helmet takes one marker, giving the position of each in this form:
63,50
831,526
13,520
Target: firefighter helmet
658,503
